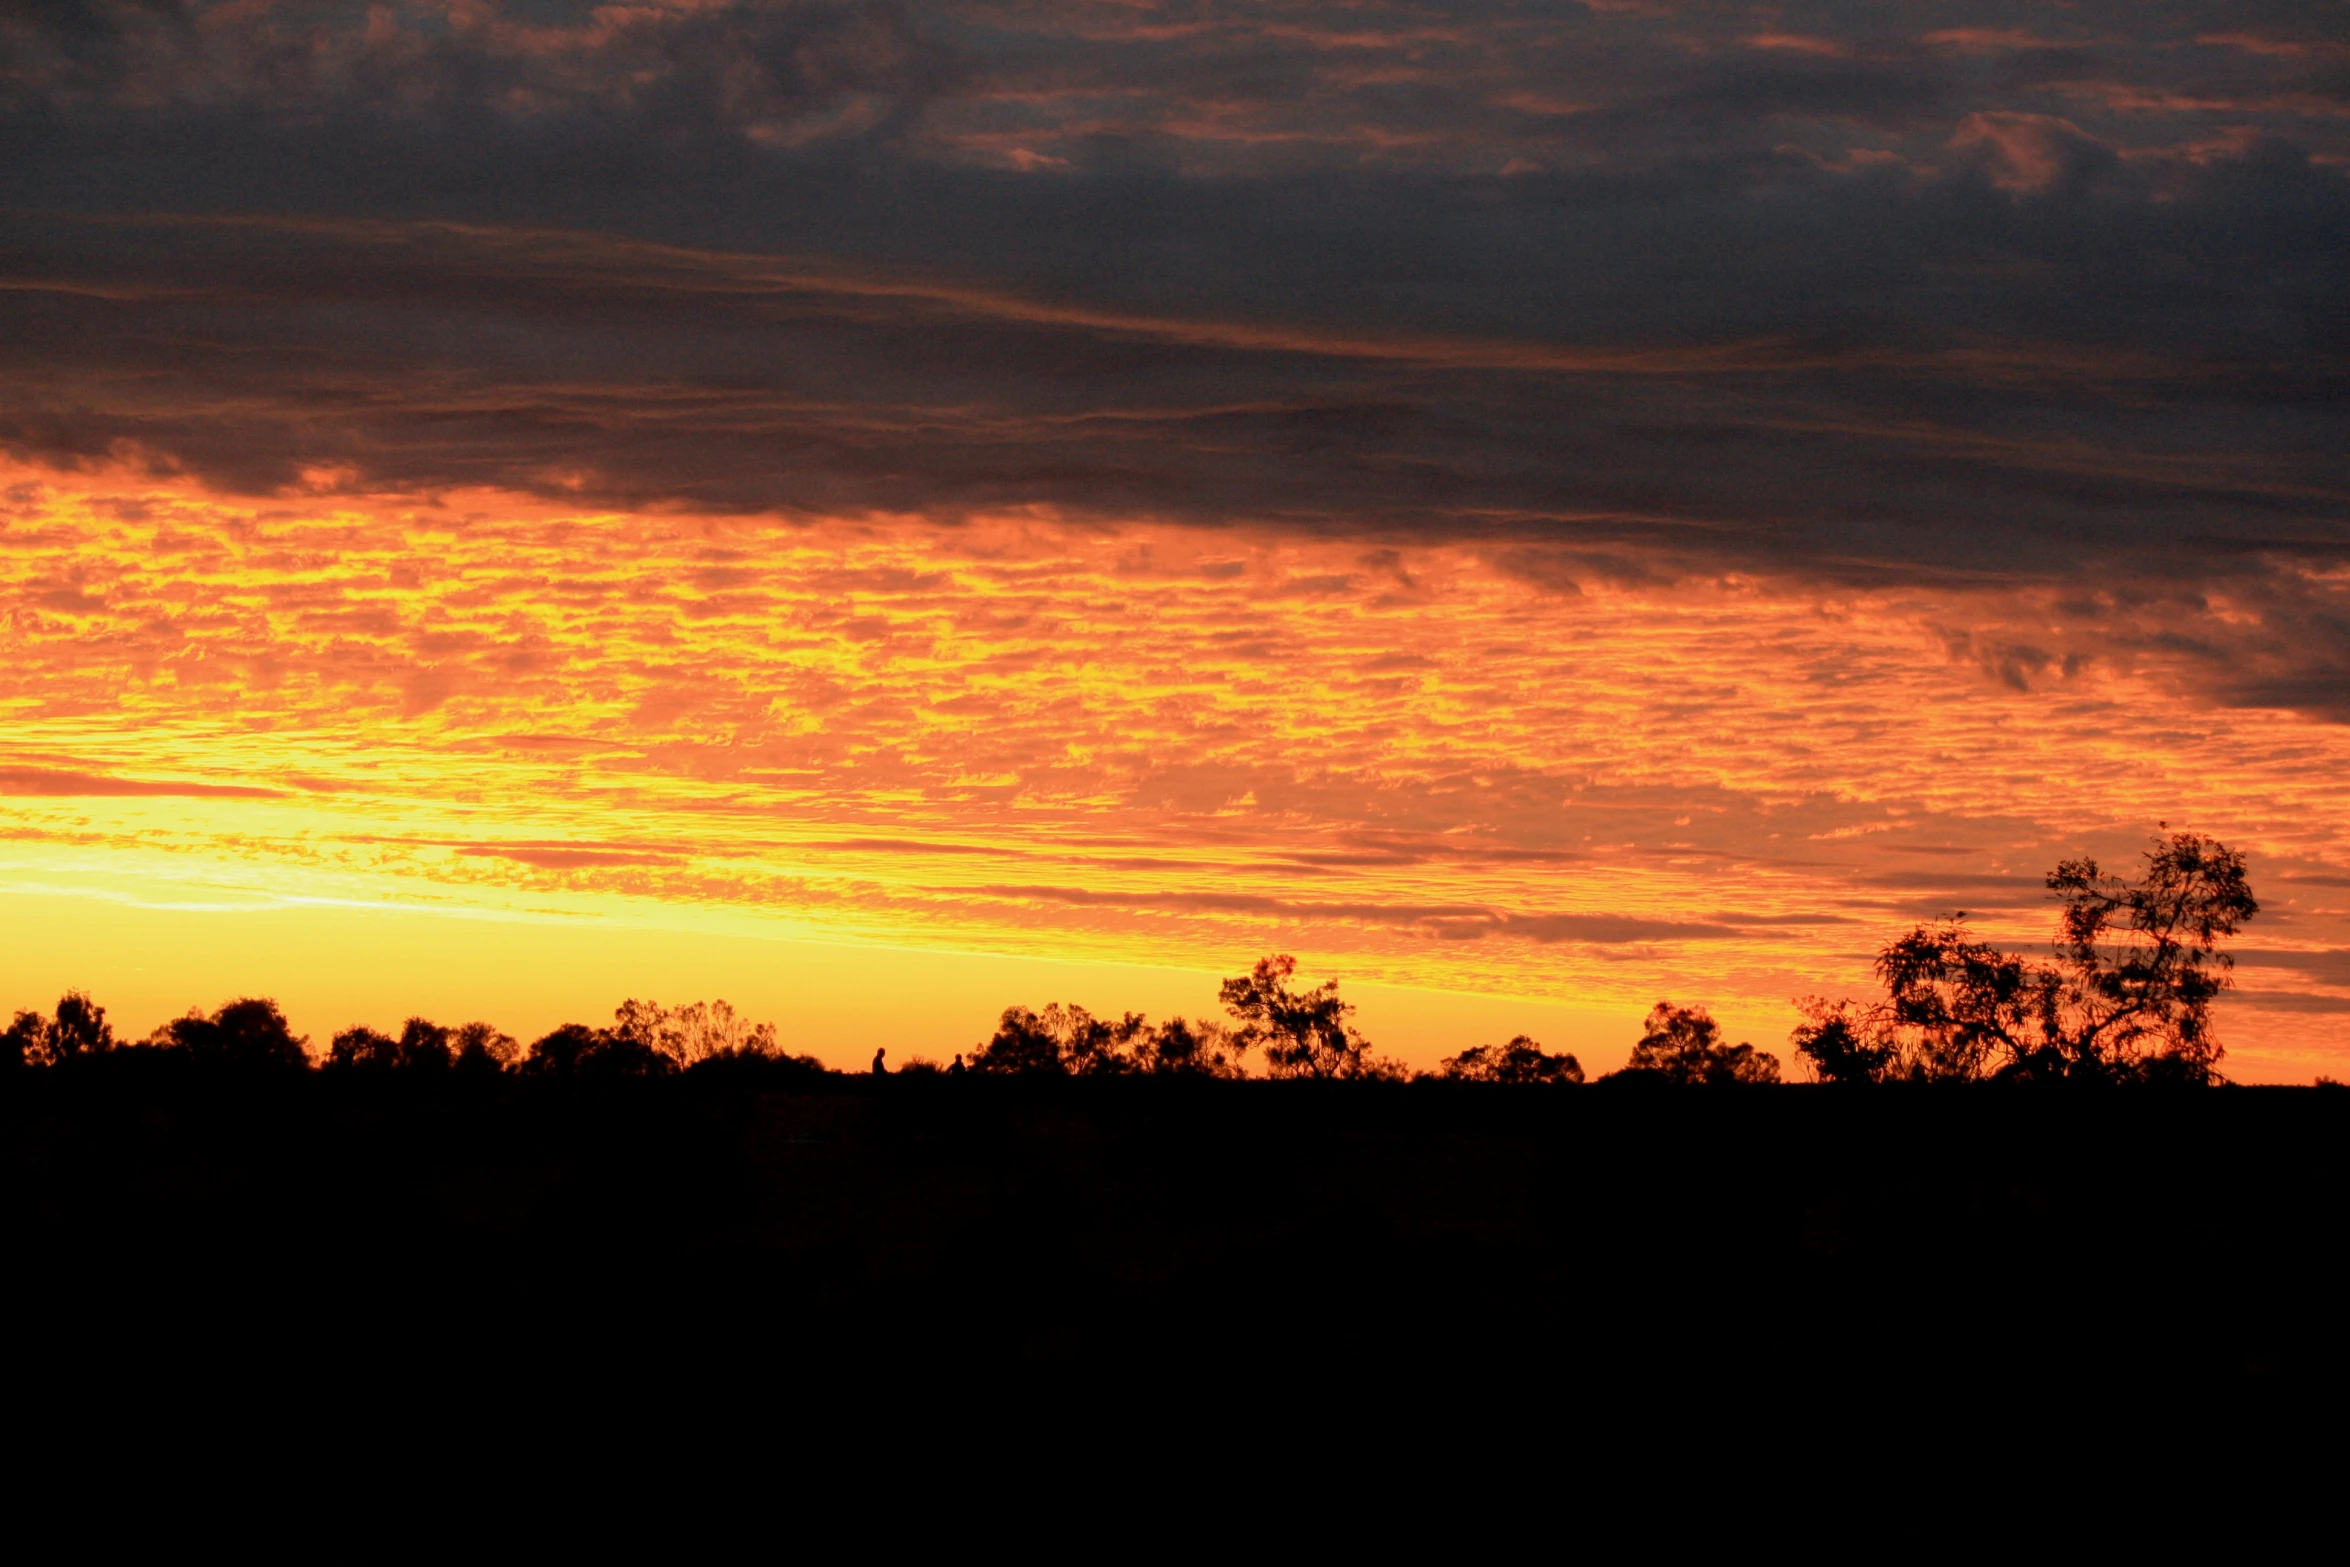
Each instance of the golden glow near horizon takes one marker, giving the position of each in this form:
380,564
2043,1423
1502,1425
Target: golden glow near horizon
1012,742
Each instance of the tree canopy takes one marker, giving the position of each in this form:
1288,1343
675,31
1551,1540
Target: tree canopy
1302,1033
1305,1033
1519,1061
646,1039
1067,1040
78,1030
250,1032
1683,1046
2126,996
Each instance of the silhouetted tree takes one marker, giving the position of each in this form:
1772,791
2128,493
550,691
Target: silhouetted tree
362,1049
1062,1040
1956,1010
560,1050
575,1048
2128,997
424,1047
1302,1033
1684,1045
1180,1048
2141,960
1022,1046
481,1049
20,1044
690,1035
79,1029
622,1054
1066,1040
646,1039
1519,1061
1098,1046
1837,1050
248,1033
710,1031
641,1028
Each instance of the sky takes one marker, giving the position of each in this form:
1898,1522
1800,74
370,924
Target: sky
883,512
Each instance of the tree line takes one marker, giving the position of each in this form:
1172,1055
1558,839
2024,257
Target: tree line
644,1039
2125,997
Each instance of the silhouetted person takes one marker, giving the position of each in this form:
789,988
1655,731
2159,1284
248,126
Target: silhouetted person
957,1069
879,1070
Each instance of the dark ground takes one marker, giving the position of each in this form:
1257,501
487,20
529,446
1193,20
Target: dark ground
1125,1242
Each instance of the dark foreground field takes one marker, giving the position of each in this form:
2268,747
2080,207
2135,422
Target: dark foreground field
1129,1240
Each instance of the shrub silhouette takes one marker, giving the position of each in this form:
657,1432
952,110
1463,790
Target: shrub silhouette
1683,1045
2127,998
1519,1061
751,1070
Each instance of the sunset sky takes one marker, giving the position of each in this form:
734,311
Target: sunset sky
880,512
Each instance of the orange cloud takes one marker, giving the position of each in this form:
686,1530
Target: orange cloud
1425,762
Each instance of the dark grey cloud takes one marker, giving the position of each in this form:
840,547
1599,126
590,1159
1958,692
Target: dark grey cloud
2294,1001
2326,966
1973,295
